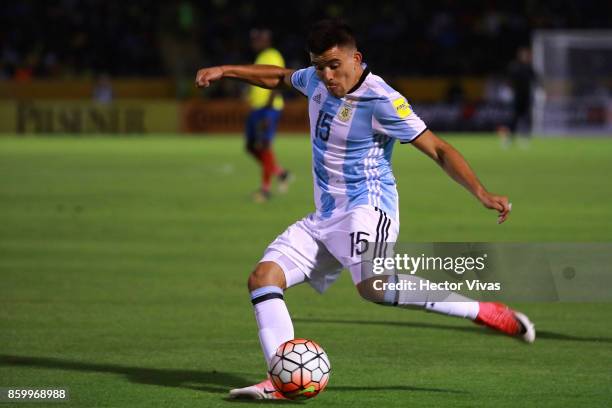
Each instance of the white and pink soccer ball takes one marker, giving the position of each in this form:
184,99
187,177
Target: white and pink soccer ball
300,369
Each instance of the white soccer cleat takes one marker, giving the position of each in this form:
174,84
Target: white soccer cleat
530,333
263,390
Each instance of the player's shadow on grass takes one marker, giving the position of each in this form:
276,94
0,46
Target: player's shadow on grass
354,389
210,381
541,334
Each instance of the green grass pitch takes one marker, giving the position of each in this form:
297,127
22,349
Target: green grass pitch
123,265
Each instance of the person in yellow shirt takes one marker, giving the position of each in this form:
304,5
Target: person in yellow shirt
266,108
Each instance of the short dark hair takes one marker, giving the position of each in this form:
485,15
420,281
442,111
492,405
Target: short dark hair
326,34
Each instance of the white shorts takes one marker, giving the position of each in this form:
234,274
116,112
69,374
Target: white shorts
316,250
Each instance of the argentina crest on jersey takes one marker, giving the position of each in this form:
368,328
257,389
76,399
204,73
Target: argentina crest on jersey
345,112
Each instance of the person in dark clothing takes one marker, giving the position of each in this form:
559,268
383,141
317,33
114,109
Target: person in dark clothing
521,77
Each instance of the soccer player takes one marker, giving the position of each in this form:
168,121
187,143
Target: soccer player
355,118
266,107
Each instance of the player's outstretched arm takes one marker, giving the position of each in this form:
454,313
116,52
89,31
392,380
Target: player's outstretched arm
265,76
457,167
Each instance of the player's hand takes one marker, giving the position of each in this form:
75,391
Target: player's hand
207,75
497,202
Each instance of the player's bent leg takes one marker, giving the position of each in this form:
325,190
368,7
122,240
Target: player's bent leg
384,290
266,284
266,273
367,290
394,290
288,261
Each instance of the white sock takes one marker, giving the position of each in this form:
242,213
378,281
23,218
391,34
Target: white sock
273,320
443,302
465,309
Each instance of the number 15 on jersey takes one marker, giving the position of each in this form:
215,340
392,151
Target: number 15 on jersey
323,127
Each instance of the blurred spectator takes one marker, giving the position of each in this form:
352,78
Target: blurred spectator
455,94
521,78
103,89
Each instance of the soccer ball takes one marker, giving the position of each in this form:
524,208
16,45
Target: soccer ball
299,369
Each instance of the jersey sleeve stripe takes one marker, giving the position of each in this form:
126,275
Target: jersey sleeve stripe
293,83
416,137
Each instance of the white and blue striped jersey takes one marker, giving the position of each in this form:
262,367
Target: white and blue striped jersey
352,141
